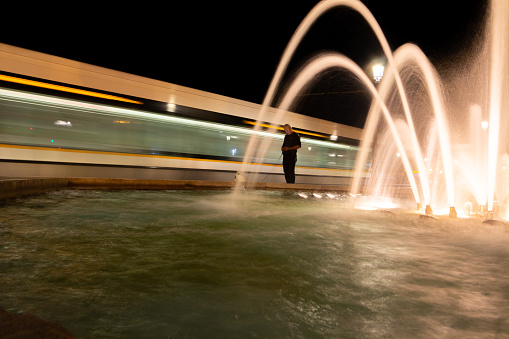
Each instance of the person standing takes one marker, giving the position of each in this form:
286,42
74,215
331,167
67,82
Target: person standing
290,146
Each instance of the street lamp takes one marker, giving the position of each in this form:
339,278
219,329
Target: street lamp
378,73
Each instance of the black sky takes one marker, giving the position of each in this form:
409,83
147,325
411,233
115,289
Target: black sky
233,48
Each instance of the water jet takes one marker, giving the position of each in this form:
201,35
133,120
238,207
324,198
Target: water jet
438,169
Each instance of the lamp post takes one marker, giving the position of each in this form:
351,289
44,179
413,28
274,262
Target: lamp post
378,73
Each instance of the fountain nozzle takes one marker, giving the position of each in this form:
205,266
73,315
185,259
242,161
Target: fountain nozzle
452,212
428,210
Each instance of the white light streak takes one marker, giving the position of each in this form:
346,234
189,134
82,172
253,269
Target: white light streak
147,116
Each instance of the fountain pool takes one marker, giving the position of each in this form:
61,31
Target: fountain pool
168,264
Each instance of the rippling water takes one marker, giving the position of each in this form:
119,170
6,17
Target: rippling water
191,264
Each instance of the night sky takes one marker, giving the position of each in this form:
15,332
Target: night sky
234,50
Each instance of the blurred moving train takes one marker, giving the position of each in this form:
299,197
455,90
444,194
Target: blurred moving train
62,118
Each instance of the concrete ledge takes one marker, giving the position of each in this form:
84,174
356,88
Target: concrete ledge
14,188
146,184
106,183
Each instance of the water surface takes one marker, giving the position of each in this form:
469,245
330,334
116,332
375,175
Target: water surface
202,264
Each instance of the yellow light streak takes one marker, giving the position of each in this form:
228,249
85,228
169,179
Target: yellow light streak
65,89
282,129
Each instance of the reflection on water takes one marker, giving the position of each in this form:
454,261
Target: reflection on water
268,264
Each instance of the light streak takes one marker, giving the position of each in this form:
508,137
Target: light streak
65,89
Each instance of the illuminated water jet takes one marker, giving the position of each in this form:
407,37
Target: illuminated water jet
440,170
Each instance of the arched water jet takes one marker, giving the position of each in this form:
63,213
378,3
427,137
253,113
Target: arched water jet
497,82
327,61
303,28
412,53
369,134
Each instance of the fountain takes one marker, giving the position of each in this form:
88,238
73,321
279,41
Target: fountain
443,166
271,264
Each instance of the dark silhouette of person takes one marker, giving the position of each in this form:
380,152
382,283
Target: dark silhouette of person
290,146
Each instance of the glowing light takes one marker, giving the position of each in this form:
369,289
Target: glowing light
63,123
172,107
441,211
398,154
332,196
484,125
378,72
375,204
334,137
316,195
366,208
302,195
